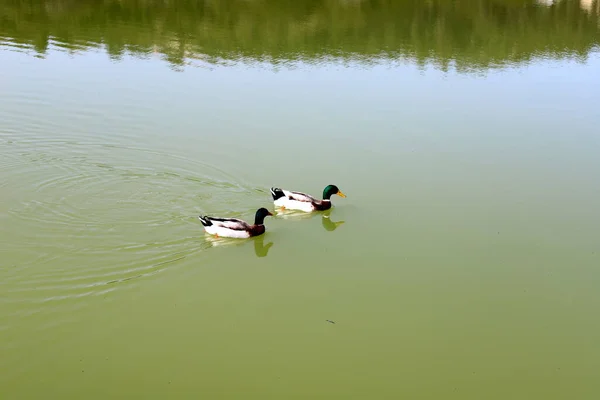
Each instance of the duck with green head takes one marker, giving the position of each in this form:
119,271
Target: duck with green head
304,202
235,228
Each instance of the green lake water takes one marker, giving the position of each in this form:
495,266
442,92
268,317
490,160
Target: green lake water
464,263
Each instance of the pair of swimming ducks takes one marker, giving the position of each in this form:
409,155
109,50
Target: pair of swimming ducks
237,228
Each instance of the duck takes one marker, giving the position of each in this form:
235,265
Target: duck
235,228
287,199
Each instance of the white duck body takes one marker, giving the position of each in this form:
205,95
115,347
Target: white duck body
233,227
302,201
296,201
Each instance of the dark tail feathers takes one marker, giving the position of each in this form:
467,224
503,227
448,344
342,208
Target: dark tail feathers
277,193
205,220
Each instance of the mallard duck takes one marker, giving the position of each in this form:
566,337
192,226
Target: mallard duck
235,228
302,201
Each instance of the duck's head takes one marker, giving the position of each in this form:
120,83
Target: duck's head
261,214
330,190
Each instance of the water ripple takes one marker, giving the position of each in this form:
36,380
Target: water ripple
94,216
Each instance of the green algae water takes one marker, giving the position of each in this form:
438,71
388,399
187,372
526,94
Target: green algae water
463,264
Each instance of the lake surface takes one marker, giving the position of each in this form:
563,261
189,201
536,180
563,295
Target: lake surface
464,263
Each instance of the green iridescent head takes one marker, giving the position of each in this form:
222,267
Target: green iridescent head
259,217
330,190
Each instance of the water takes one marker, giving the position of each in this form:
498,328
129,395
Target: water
462,265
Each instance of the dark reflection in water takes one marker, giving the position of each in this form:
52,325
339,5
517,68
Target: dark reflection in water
326,221
469,34
260,248
328,224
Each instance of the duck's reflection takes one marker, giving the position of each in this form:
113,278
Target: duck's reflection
260,248
326,221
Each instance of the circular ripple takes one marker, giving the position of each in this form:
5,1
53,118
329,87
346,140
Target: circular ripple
88,217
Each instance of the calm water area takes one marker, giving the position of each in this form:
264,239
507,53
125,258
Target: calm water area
463,264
